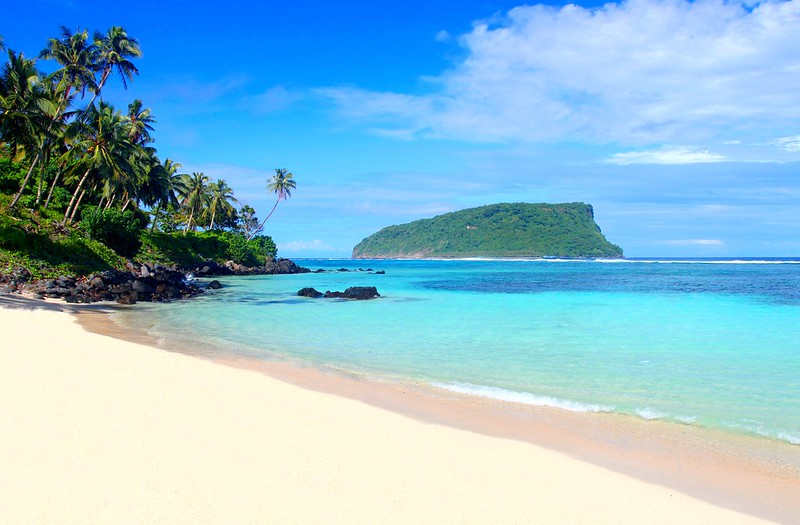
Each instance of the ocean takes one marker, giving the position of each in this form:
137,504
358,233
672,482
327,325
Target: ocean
708,342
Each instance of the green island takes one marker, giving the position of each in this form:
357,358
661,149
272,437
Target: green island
83,190
495,230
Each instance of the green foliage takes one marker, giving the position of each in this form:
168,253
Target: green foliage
116,229
11,174
47,253
60,199
497,230
193,248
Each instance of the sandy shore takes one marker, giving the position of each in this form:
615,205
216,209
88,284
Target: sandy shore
101,430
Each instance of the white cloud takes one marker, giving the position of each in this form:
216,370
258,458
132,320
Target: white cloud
666,156
791,144
276,98
635,72
443,36
695,242
305,246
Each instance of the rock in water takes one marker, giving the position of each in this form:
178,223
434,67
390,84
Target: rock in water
309,292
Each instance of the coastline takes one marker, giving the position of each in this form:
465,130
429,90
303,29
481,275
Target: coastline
666,461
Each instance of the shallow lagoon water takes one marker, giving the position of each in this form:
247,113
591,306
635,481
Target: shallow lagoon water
714,343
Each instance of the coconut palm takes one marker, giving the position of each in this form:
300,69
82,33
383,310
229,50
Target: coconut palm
141,120
167,184
281,184
78,59
194,196
101,147
220,199
114,51
26,111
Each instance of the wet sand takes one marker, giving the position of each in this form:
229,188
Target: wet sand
268,440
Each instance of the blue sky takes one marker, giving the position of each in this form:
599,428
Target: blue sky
678,121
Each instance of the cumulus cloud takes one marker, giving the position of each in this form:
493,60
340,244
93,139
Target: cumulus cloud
666,156
632,73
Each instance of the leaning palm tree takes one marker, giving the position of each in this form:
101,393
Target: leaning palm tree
78,59
220,201
114,51
100,147
281,184
194,196
26,111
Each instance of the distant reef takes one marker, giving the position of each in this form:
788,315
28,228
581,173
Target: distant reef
497,230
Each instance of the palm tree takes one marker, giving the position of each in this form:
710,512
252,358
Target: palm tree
167,183
100,146
26,111
220,199
78,59
141,120
281,184
114,49
194,196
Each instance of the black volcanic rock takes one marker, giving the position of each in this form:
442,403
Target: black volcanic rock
309,292
355,292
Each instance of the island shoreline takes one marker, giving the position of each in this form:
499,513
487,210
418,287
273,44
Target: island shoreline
752,476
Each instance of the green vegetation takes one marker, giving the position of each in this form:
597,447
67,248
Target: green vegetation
82,189
497,230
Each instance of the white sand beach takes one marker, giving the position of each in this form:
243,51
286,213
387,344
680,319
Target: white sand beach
95,429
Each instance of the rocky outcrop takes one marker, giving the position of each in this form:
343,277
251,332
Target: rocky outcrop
272,267
140,283
309,292
368,270
148,284
359,293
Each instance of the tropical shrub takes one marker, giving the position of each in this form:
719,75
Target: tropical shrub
119,230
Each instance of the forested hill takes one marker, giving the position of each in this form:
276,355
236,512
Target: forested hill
496,230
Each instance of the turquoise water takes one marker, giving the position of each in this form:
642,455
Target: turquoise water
709,343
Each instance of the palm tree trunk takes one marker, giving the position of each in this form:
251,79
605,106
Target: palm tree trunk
265,220
39,189
52,187
103,79
24,182
155,217
77,205
75,196
189,222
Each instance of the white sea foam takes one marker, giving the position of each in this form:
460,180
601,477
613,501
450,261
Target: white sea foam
754,427
524,398
794,439
650,414
699,261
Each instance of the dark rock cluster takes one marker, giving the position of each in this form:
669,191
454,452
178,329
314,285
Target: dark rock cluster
145,283
10,282
368,270
354,292
148,284
272,267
